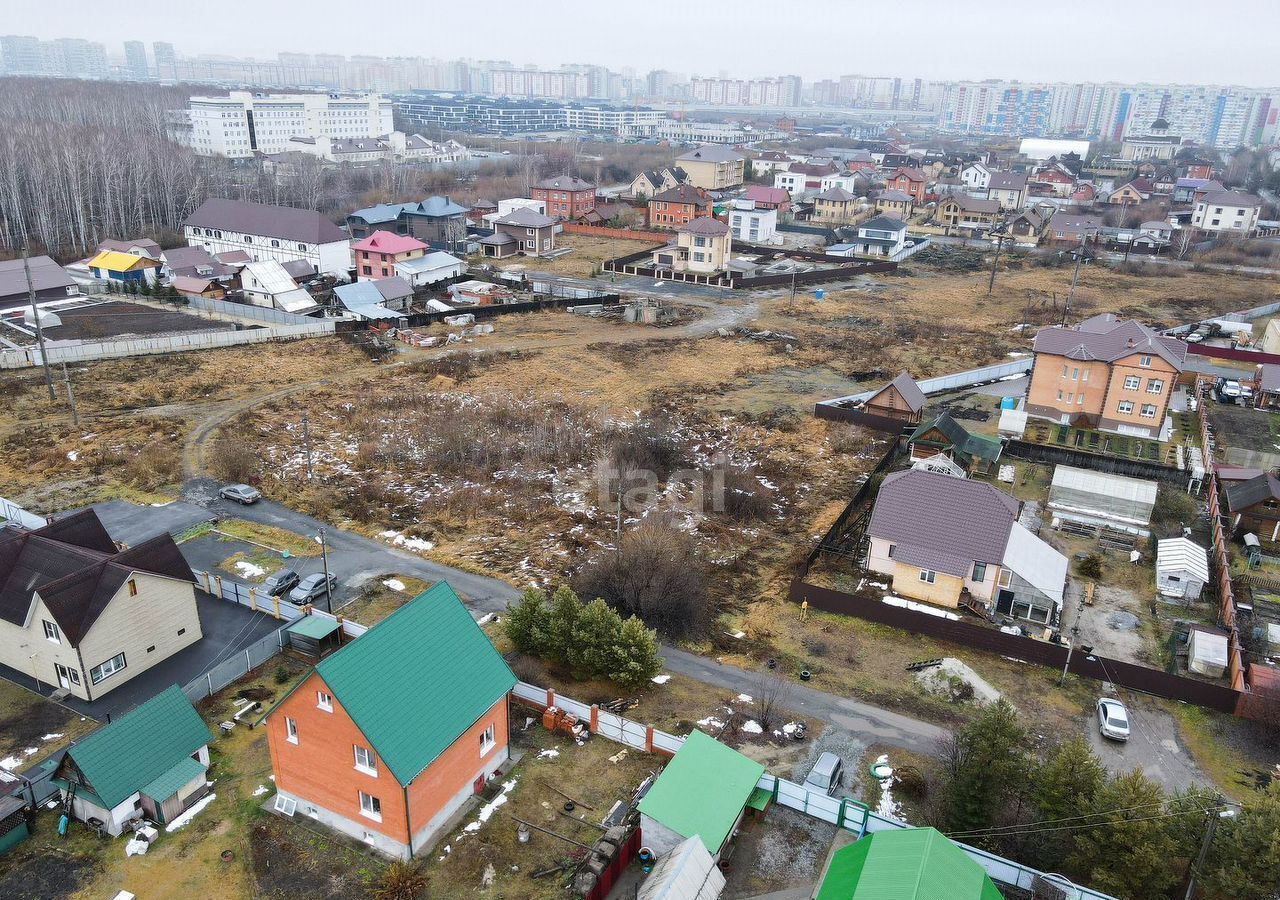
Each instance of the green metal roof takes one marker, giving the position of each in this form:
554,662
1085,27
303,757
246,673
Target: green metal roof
165,785
759,799
140,746
703,790
418,679
905,864
317,627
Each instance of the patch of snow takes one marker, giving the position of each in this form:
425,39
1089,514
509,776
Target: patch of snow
660,679
752,727
260,790
745,698
790,727
73,455
7,776
186,817
711,721
938,680
490,808
1014,377
136,847
394,583
887,807
249,570
51,737
919,607
549,753
408,543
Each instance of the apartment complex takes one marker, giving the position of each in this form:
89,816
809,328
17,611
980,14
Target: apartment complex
780,91
1105,373
244,123
505,116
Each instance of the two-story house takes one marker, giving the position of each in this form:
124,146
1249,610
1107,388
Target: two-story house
881,236
654,181
702,247
1105,373
769,198
263,231
712,167
835,206
566,197
387,738
752,224
80,613
1009,189
975,176
268,284
436,221
898,204
376,256
949,542
678,205
1227,212
963,211
523,230
910,181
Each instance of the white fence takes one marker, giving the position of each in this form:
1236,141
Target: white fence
173,343
248,596
248,311
235,666
967,378
12,512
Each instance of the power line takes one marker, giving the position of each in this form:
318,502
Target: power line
1010,830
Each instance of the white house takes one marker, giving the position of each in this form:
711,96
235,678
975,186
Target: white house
975,176
263,232
266,283
844,180
1182,569
431,268
1231,212
751,224
791,182
881,236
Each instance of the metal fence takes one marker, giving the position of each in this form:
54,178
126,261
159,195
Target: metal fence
236,666
967,378
12,512
248,596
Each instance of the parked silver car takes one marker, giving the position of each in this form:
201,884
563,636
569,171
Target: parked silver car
1113,719
241,493
826,775
312,588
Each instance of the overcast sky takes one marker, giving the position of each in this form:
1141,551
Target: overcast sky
1232,41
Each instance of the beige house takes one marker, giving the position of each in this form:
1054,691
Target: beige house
1009,189
899,204
81,614
702,247
712,167
1105,374
647,184
835,206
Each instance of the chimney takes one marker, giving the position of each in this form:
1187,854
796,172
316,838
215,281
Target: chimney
1132,343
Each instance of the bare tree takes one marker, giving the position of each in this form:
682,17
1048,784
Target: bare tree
1183,240
771,694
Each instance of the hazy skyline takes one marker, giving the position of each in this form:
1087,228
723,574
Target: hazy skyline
1091,40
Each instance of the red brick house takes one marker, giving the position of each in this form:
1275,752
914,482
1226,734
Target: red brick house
678,206
566,197
769,198
376,256
388,737
909,181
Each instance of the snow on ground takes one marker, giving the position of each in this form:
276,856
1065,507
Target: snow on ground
745,698
751,726
711,721
938,680
491,807
888,806
249,570
394,583
51,737
73,455
186,817
260,790
409,543
549,753
920,607
660,679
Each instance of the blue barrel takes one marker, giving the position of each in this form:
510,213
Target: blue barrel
62,825
1008,402
819,293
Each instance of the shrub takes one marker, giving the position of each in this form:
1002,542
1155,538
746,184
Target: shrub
231,460
282,675
745,499
1091,566
401,881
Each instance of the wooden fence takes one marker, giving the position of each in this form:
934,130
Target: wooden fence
624,234
1221,561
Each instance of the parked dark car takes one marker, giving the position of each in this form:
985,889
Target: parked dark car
241,493
312,588
280,583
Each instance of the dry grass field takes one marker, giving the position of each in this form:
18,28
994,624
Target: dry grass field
588,253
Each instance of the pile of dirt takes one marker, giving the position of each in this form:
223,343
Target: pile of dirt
954,680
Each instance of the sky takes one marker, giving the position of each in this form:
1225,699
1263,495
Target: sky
1188,41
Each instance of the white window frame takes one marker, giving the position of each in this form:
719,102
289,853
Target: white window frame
51,632
1144,361
488,740
99,673
928,576
1132,382
1144,411
324,700
370,807
1125,408
1155,386
1006,578
291,729
366,762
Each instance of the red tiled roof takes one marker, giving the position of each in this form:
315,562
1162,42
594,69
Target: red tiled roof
386,242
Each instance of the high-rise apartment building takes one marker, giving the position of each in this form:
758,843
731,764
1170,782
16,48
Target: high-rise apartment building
166,60
243,123
135,61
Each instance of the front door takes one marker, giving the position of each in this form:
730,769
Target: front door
67,678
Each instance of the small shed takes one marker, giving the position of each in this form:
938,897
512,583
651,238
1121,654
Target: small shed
14,828
315,635
1102,499
1013,423
1182,569
1207,652
703,793
686,873
905,864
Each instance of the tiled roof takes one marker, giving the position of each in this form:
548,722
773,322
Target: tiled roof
416,681
894,196
943,516
140,746
681,193
836,195
526,218
564,183
973,204
389,242
1007,181
45,275
883,223
286,222
908,389
762,194
711,153
1230,198
1106,338
1244,494
705,225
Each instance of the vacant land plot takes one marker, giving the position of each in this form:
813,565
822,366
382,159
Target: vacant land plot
120,318
32,727
588,252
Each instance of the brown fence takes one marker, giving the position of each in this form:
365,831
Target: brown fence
1041,653
625,234
1255,357
1116,465
1222,562
832,413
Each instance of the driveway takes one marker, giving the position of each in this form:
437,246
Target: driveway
228,629
1153,746
131,523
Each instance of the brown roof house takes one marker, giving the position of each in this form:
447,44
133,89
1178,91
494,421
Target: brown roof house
951,542
702,248
522,230
80,613
900,400
943,435
677,205
895,203
1255,506
963,211
835,206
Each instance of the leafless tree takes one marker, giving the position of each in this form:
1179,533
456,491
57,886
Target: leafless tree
1183,240
771,693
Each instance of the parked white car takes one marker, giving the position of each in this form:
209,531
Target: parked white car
1113,719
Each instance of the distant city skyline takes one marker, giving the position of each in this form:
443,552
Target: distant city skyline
1094,41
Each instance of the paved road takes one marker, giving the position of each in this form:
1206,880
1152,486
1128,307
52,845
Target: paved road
871,723
1153,746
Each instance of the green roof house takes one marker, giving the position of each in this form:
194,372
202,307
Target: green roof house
149,762
702,792
975,453
387,738
905,864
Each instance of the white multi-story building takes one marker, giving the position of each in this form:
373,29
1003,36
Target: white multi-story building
263,232
244,123
1232,212
751,224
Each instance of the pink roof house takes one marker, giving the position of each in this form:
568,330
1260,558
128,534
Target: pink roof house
376,256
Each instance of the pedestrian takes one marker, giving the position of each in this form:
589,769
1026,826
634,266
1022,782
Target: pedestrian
804,610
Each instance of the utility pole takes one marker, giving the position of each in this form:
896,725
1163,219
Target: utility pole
328,587
1075,277
1214,814
306,443
792,302
71,397
999,233
35,314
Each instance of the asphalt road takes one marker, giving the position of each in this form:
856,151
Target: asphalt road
1153,746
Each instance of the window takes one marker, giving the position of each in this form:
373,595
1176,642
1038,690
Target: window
892,549
1080,399
1148,410
1006,578
928,576
1064,371
1144,361
1059,396
247,239
1084,375
365,761
324,701
1075,374
106,669
133,588
1125,407
51,632
1155,386
275,243
1070,397
1132,383
698,256
291,730
979,571
487,740
370,807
